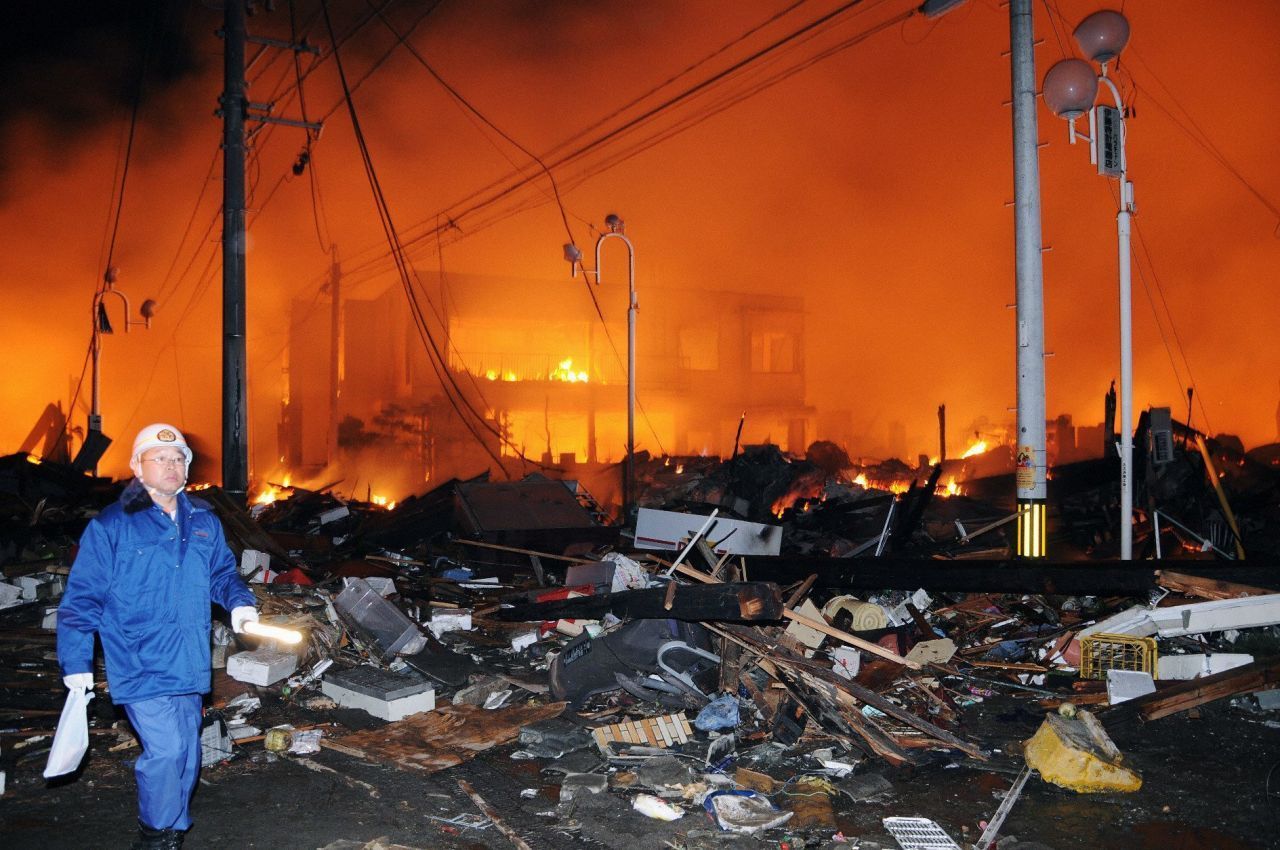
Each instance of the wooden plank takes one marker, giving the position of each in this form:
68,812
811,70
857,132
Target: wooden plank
1206,588
817,625
735,602
1181,696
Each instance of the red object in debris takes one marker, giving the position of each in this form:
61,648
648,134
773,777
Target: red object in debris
565,593
292,576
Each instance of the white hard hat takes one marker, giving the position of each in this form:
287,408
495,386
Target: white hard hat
157,435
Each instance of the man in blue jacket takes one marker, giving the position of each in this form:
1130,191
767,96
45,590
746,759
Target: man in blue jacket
148,567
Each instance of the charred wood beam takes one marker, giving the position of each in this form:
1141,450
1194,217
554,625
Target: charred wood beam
1091,578
733,602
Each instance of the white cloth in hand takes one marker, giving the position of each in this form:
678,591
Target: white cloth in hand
242,615
78,680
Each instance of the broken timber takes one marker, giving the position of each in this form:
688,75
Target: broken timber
741,601
1077,578
1261,675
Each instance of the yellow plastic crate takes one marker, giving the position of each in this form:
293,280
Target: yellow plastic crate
1102,652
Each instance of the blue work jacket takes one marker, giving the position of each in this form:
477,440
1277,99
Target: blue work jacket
143,582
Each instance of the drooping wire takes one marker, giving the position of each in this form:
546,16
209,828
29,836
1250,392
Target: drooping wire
457,398
470,107
101,285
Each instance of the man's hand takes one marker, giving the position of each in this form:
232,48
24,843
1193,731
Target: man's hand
78,680
242,615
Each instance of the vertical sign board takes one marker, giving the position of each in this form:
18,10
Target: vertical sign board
1111,141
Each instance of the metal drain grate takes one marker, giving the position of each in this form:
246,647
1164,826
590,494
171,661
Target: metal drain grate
919,834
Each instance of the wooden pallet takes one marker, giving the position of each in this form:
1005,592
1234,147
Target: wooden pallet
661,732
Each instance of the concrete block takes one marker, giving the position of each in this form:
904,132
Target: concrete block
389,696
261,666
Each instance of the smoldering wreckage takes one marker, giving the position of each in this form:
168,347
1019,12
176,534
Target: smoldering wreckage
782,652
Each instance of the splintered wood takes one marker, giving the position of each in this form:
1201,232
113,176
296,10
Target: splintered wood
650,732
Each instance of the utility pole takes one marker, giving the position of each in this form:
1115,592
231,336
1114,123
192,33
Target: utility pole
942,433
235,109
235,420
335,318
1030,457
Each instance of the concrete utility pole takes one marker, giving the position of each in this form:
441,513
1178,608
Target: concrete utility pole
235,418
234,111
1029,471
335,319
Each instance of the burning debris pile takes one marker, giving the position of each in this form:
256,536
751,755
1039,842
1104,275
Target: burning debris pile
743,654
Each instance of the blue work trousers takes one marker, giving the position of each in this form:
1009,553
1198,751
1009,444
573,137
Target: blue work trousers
169,728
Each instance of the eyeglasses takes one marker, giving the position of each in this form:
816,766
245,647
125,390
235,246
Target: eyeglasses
166,461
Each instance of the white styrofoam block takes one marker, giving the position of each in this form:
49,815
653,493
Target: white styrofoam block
252,561
1127,684
450,622
519,643
10,594
50,620
395,709
334,514
1195,666
261,666
33,587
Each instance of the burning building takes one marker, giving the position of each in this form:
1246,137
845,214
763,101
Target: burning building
481,369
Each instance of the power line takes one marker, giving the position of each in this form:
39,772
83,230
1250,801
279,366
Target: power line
438,362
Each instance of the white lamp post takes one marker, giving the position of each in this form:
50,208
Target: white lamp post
102,325
1070,89
615,229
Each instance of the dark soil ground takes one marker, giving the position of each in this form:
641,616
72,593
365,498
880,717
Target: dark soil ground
1211,780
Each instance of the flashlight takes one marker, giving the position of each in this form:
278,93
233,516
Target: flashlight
289,636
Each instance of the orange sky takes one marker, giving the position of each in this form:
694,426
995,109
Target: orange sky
873,183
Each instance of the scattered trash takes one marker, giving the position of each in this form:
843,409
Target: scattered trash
747,812
656,808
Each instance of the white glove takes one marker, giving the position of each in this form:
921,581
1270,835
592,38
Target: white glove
241,615
78,680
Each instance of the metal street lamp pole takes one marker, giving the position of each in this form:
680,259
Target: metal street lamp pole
1070,89
616,228
101,325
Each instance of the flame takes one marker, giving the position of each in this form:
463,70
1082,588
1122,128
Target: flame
33,459
861,481
383,502
975,449
491,374
951,488
679,468
565,372
272,492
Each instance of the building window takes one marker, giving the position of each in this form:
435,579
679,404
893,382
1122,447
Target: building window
773,351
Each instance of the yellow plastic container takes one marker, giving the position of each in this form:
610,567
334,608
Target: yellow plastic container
1102,652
